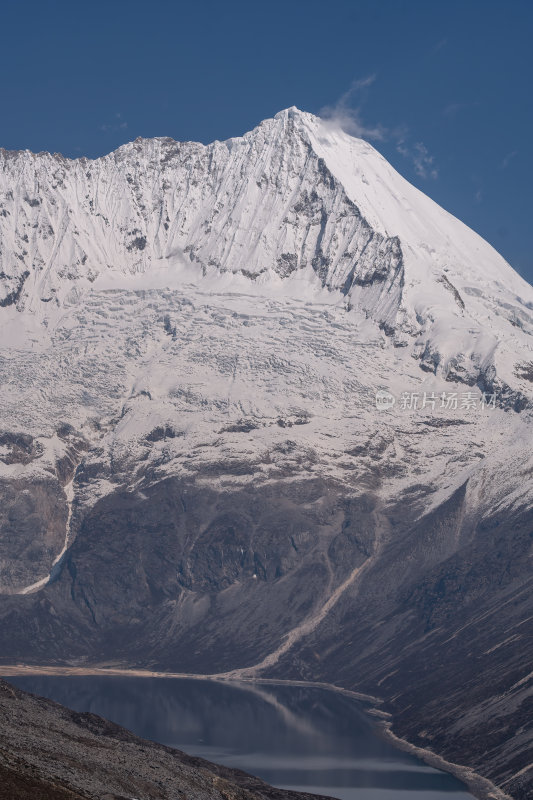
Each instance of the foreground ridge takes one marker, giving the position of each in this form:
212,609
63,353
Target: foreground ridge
66,755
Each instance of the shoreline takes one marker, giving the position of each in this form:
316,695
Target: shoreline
482,788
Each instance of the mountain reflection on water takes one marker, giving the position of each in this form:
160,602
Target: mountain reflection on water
291,736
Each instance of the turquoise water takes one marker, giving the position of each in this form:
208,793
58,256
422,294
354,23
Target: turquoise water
293,737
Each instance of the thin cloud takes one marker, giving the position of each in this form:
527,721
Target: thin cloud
478,196
346,113
360,83
452,109
117,124
418,154
439,45
349,117
508,158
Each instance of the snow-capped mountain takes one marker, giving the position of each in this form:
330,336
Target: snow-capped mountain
266,406
295,195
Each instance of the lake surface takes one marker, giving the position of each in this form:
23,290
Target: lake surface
293,737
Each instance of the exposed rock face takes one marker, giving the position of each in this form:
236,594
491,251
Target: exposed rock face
33,516
36,506
194,472
51,753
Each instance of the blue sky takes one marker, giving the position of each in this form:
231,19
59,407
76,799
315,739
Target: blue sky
442,88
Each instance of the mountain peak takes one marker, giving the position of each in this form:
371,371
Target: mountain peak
290,111
293,113
317,209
